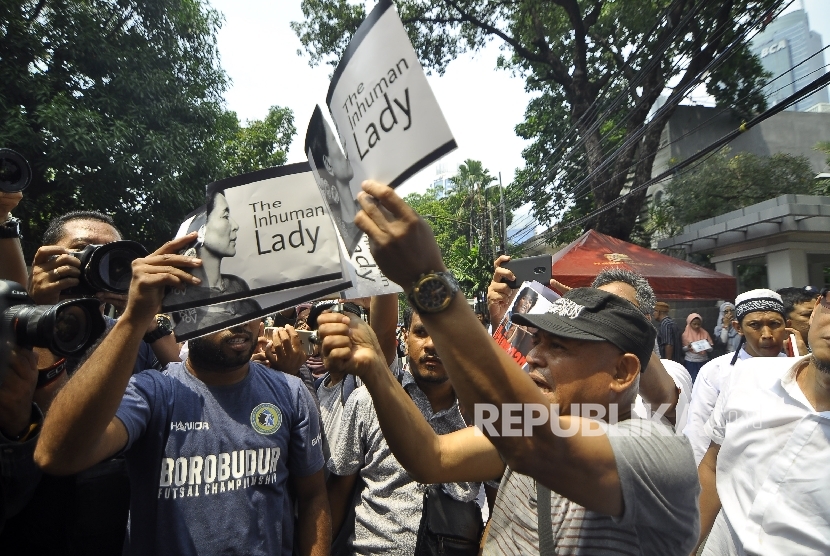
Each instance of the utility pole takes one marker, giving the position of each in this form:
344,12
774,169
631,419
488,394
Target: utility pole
503,247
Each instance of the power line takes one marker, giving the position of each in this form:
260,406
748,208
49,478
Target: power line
781,106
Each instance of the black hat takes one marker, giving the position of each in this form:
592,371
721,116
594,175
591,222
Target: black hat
594,315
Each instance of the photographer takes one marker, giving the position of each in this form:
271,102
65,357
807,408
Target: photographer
55,269
86,512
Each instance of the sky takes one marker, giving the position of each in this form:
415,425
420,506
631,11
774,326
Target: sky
482,104
258,49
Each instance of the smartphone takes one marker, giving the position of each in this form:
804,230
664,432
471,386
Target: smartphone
305,338
792,350
530,268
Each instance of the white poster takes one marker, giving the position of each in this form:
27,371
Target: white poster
385,116
259,233
366,277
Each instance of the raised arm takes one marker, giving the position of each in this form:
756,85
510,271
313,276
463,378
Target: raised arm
383,318
658,389
499,293
11,253
464,455
81,428
582,466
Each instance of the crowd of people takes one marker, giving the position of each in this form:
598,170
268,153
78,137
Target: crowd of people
620,435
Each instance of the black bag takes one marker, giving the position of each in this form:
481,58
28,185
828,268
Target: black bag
448,527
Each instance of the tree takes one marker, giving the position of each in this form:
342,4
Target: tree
823,184
117,104
259,144
471,183
464,222
727,182
579,54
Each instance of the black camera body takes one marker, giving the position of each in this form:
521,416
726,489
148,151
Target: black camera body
67,328
15,172
106,268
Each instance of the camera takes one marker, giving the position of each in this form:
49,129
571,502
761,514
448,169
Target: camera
67,328
106,268
15,172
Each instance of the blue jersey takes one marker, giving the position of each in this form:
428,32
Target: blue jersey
209,466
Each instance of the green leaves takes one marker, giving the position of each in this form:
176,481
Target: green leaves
726,182
117,105
260,144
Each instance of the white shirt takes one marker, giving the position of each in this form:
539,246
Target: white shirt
711,378
683,381
772,471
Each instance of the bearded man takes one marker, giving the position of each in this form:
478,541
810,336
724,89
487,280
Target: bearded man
211,444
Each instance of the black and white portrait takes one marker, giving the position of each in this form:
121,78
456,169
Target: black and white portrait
334,173
216,240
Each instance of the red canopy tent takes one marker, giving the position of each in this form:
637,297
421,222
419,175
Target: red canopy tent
578,264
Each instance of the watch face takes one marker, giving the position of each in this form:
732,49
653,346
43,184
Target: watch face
164,323
433,293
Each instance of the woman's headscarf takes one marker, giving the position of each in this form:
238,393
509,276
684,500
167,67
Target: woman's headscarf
724,306
691,335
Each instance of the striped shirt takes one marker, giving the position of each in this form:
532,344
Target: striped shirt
660,489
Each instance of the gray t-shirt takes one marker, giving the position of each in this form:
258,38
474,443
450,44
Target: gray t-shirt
390,506
209,466
660,489
332,402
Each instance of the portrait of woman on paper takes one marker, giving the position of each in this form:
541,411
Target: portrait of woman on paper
216,240
334,173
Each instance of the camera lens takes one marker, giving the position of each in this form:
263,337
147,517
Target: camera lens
15,173
109,267
71,331
68,328
116,269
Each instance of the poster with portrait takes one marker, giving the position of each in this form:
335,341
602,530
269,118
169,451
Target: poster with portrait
531,298
387,122
366,277
259,233
198,321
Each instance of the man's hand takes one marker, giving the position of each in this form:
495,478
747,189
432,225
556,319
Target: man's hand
152,274
349,345
800,347
119,301
559,287
8,202
283,351
17,390
402,243
499,294
53,270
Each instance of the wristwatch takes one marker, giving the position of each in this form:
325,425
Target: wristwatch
433,292
164,328
10,229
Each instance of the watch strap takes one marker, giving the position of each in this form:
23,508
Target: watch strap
10,229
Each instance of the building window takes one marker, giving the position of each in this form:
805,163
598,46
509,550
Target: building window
751,274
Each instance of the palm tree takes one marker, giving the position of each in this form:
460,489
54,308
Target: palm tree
472,183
